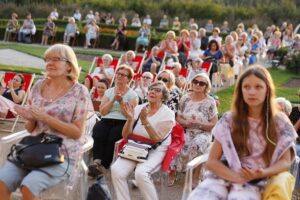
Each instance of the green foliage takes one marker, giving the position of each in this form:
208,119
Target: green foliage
292,62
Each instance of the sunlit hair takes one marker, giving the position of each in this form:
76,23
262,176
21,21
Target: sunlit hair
128,69
240,110
107,56
194,32
171,33
287,106
165,91
203,75
171,84
64,51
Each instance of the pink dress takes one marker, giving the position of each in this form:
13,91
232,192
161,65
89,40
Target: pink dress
214,187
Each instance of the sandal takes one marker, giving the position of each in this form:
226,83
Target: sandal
95,169
172,178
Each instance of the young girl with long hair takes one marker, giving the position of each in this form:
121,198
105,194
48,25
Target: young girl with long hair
257,143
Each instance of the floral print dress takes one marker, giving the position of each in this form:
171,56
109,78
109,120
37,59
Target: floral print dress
196,140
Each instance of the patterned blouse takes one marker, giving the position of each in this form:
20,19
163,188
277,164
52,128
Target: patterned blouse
71,107
256,142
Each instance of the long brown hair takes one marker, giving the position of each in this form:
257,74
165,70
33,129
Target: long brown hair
240,110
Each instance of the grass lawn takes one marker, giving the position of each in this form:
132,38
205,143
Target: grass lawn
280,77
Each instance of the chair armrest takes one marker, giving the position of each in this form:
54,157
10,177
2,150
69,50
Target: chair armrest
13,137
187,189
88,145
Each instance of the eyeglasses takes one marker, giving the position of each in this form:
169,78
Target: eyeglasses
55,59
200,83
121,74
163,79
146,77
157,90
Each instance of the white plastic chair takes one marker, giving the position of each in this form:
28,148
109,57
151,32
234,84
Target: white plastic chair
74,187
201,160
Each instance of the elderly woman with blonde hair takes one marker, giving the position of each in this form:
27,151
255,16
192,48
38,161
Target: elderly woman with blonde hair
58,105
169,47
197,114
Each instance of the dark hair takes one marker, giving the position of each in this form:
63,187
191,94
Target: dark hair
213,42
22,79
104,81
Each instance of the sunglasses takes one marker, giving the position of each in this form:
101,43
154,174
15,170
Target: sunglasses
155,89
200,83
163,79
146,77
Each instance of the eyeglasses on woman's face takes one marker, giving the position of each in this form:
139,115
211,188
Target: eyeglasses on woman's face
200,83
154,89
146,77
163,79
121,74
55,59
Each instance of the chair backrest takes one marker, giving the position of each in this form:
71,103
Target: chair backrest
10,75
206,66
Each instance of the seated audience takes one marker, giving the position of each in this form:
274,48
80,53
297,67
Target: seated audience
129,59
168,78
152,62
144,36
274,44
197,114
169,47
184,46
120,38
136,21
58,105
89,17
209,26
92,31
195,68
112,109
70,31
147,20
27,29
109,19
98,92
141,85
195,51
54,14
176,25
204,39
104,71
284,105
154,121
164,22
216,36
48,31
77,15
252,144
225,29
11,27
254,50
123,20
228,50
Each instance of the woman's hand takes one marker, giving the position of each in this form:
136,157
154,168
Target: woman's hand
118,97
128,110
251,174
38,113
23,112
11,85
144,115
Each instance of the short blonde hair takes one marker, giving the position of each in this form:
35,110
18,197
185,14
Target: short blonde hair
194,32
203,75
107,56
64,51
171,82
184,31
128,69
171,33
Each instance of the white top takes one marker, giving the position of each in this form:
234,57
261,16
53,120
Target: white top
108,70
164,114
148,21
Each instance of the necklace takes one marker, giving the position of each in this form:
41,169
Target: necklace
53,98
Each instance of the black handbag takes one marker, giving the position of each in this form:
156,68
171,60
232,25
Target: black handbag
34,152
99,190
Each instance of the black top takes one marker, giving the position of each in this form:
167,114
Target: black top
7,94
294,117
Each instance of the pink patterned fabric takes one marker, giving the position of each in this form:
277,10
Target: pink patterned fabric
68,108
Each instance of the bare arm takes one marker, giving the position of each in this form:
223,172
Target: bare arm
106,105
